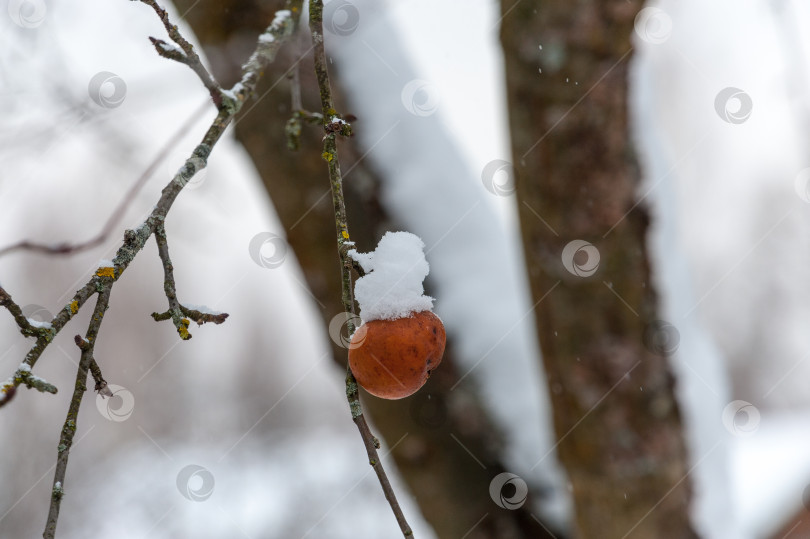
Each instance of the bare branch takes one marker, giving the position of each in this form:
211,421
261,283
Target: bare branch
295,87
169,286
293,127
330,154
95,370
203,317
116,215
8,389
270,41
69,428
195,314
169,51
187,56
346,251
23,376
26,328
177,312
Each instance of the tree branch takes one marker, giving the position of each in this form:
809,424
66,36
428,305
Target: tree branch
134,240
201,317
169,286
186,56
8,389
26,328
177,311
330,155
69,429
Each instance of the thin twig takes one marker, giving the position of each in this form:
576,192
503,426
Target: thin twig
330,154
177,312
95,370
295,88
24,324
194,314
117,214
23,376
293,127
355,264
101,384
192,59
169,286
8,389
69,429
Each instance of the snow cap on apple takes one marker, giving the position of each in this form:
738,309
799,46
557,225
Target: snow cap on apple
392,287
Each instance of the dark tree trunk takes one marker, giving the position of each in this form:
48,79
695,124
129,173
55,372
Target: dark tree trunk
451,488
616,418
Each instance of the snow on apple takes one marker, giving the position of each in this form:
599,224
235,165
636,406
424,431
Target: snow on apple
392,287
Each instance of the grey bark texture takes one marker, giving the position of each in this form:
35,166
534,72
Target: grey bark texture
615,414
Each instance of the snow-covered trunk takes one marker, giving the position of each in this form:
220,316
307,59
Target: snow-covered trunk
702,381
724,147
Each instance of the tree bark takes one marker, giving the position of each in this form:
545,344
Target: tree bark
451,488
615,415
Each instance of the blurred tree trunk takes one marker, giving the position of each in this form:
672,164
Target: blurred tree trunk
451,488
615,414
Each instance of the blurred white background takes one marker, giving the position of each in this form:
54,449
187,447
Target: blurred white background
258,402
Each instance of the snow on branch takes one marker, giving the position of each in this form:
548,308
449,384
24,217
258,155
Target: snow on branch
269,43
23,376
28,327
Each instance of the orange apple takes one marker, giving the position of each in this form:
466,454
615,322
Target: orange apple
392,359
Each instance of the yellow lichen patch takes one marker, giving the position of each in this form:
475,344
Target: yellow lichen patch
183,329
327,156
345,235
106,271
74,307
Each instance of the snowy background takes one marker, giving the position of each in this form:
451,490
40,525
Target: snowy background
256,405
